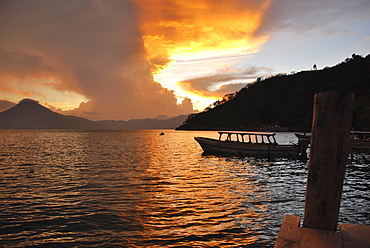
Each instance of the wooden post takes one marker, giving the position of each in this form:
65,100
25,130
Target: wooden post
331,127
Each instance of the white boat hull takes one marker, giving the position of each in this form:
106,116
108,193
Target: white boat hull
233,148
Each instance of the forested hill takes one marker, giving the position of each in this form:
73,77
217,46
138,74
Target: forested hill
287,100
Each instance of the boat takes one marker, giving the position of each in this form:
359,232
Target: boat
304,139
303,136
360,141
255,144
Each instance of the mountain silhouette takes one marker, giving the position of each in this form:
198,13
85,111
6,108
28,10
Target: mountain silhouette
29,114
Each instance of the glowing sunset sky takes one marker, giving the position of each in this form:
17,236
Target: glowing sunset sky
122,59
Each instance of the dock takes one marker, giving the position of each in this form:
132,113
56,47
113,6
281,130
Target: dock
291,235
330,144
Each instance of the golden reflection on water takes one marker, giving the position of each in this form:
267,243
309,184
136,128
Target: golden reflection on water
135,188
196,197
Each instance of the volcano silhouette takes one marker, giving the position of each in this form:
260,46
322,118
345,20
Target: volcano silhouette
29,114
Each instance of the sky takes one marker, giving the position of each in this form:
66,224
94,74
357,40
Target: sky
129,59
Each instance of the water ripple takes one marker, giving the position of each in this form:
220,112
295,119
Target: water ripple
140,189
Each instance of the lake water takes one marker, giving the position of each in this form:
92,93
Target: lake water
136,188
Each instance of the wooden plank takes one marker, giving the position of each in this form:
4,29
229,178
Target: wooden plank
319,239
293,236
288,235
357,236
349,236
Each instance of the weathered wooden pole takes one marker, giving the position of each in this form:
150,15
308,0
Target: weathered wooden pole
331,127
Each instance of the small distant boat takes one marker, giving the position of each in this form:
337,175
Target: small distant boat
255,144
162,133
360,141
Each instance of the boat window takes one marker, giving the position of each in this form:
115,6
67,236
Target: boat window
256,138
262,139
272,139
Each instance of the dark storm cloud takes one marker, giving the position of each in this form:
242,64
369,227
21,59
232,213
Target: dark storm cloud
93,48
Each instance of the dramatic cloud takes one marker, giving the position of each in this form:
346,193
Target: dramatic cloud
187,30
179,31
101,55
204,30
93,48
225,82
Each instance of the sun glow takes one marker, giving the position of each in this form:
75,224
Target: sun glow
189,31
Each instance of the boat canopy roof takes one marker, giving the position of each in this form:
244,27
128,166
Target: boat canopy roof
360,132
247,133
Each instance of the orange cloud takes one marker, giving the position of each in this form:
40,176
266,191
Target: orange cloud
108,51
187,30
217,85
4,88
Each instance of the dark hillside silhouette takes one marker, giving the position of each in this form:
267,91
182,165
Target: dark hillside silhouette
286,100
